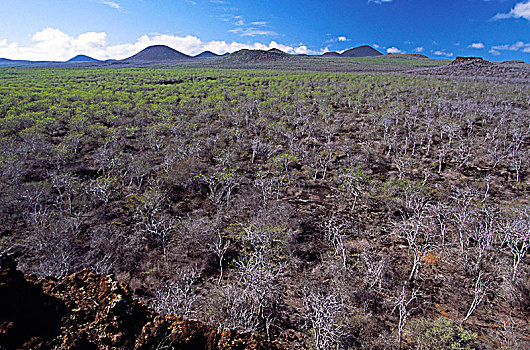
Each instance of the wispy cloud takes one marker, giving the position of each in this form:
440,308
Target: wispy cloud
419,49
520,10
476,46
255,28
340,38
518,46
53,44
110,3
379,2
252,31
443,53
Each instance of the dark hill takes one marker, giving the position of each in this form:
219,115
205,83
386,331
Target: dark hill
361,51
82,58
277,51
250,56
158,53
207,54
331,54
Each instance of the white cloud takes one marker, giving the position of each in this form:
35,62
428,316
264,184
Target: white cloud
54,45
341,38
520,10
419,49
520,45
476,46
494,52
379,2
443,53
302,49
394,50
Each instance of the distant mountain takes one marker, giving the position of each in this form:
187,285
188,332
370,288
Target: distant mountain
361,51
158,53
251,56
82,58
331,54
5,62
207,54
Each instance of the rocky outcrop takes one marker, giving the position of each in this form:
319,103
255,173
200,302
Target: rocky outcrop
478,68
461,59
90,311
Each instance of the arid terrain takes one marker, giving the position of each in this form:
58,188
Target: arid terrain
304,202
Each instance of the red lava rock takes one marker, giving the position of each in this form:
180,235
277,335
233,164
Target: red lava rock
90,311
461,59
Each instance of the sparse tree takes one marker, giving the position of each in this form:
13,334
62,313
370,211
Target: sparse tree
219,248
479,292
402,303
324,314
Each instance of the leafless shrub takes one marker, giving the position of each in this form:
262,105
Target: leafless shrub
374,268
335,234
420,236
517,237
324,314
179,295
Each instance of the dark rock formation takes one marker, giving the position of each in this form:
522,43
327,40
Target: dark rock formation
90,311
461,59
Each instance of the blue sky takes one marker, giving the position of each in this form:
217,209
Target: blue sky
60,29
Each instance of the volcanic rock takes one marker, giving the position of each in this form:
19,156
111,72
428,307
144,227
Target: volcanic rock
90,311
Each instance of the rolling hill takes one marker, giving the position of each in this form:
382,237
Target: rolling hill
207,54
252,56
331,54
158,53
361,51
82,58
